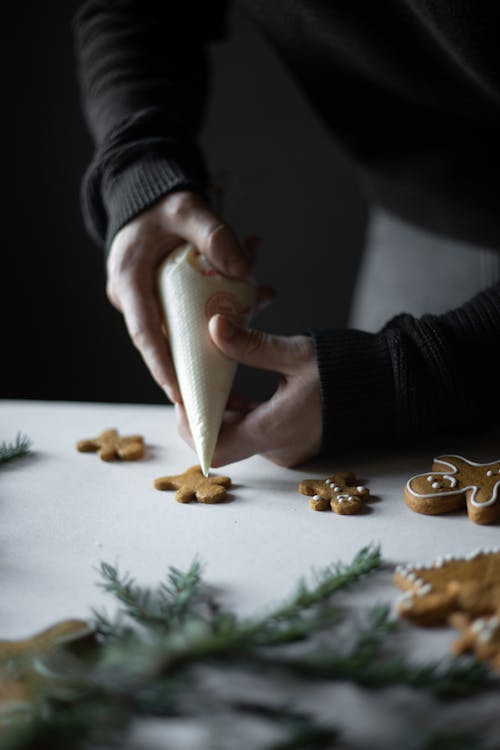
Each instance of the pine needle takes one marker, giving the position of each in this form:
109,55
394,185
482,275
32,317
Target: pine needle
10,451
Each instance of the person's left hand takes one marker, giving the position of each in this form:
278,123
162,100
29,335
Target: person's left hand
287,428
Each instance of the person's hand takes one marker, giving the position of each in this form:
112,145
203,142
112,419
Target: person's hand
135,254
286,429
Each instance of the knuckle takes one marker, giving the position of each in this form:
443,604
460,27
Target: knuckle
216,232
140,337
254,341
304,349
178,205
111,295
265,425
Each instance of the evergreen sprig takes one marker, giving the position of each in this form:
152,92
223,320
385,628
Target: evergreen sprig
148,657
19,448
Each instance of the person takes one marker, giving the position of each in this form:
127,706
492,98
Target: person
412,91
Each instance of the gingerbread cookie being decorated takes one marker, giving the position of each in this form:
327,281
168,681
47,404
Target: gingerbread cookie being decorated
453,483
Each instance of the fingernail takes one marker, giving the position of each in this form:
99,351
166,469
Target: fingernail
169,392
227,329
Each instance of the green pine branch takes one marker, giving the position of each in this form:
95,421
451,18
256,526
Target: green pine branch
147,658
19,448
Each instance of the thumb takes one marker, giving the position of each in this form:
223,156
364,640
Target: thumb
216,240
258,349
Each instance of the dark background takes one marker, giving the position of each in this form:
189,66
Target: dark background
284,177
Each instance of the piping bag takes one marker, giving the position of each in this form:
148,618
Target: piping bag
191,291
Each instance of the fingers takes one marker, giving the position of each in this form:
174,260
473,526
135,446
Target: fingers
286,429
191,218
243,436
240,435
257,349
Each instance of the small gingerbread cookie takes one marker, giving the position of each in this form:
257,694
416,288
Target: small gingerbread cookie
433,592
110,446
454,482
193,485
341,492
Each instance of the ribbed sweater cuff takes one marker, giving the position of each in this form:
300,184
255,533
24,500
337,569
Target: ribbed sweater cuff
357,388
141,184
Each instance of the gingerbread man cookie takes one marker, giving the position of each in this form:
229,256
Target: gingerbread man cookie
18,684
454,482
470,585
193,485
341,492
111,446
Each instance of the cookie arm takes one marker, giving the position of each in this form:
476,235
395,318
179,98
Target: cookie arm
414,378
143,76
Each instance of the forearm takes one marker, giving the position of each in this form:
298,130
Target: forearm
143,74
413,378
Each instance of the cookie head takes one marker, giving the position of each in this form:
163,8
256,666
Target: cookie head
455,482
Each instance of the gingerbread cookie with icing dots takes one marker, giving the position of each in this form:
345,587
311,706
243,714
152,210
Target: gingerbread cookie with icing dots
453,482
193,485
341,492
469,585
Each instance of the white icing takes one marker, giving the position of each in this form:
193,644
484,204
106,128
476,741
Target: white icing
472,499
360,488
425,589
435,485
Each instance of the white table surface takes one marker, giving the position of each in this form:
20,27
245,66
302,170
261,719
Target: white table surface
62,512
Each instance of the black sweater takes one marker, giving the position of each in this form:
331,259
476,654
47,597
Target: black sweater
412,90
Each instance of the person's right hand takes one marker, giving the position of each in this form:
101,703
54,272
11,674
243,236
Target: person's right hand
135,254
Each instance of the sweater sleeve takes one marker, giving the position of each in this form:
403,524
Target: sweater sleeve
144,77
414,378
